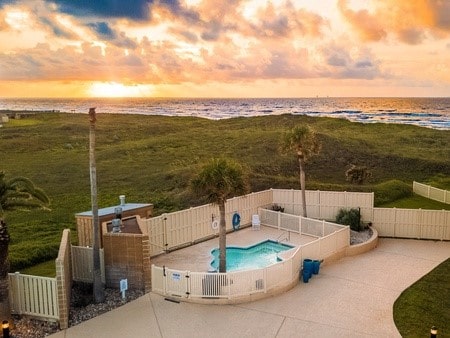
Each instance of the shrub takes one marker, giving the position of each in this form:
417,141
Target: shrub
351,217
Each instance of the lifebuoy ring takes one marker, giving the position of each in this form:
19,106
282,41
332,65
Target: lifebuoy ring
215,225
236,221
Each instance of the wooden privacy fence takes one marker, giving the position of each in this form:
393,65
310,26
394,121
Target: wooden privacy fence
412,223
242,284
430,192
33,295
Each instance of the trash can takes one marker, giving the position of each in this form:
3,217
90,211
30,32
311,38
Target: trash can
308,267
316,266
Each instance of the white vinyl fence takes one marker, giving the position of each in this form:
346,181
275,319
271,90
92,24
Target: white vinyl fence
186,227
430,192
232,285
324,204
412,223
33,295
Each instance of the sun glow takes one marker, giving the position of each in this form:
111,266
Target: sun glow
114,89
17,19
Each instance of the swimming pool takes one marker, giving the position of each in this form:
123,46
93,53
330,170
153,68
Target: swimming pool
256,256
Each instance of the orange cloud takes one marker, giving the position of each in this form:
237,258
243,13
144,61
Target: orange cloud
409,21
367,25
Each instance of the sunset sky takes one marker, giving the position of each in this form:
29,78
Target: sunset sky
226,48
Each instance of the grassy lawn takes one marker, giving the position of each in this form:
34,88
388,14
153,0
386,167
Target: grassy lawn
45,269
417,202
424,304
151,159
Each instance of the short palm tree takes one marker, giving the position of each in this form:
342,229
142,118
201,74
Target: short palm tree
219,180
15,193
304,142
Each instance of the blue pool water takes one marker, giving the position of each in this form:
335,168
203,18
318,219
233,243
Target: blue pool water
256,256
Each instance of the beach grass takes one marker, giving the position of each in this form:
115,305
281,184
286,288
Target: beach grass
424,304
151,159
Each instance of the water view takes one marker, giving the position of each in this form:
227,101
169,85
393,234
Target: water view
425,112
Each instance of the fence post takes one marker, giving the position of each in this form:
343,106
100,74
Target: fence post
323,227
300,225
18,293
320,204
395,222
420,222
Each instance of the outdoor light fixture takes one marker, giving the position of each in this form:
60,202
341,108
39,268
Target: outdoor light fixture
5,329
433,332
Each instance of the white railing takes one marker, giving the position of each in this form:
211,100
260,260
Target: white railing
83,264
430,192
298,224
33,295
232,285
412,223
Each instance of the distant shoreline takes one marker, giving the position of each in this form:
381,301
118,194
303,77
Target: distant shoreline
431,113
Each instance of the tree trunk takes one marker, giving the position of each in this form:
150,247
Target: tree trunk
222,239
99,294
301,163
5,307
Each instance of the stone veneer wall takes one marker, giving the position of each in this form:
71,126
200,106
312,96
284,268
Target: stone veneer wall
64,279
127,256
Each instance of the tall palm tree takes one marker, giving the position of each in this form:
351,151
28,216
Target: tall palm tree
304,142
98,290
15,193
219,180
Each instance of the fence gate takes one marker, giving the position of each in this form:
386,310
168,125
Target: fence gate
177,282
33,295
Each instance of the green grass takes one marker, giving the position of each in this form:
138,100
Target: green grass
45,269
424,304
151,159
417,202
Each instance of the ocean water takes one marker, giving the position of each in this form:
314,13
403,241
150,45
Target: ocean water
425,112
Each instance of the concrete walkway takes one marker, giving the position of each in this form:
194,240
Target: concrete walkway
351,297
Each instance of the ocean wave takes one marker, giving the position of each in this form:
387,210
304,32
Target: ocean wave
425,112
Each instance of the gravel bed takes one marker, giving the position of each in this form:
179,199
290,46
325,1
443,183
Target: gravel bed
361,236
82,308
